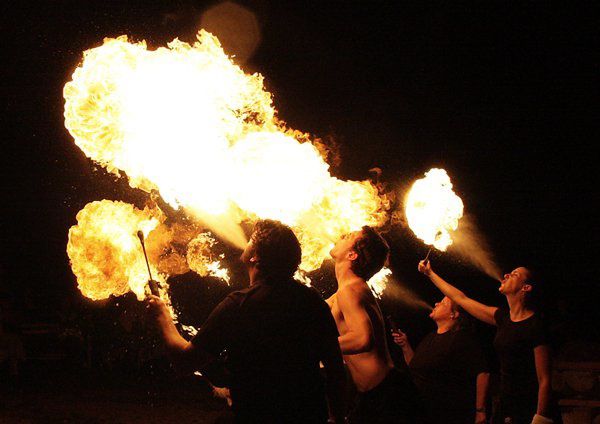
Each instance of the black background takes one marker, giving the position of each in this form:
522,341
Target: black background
503,96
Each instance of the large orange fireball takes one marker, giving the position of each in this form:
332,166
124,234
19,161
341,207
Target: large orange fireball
187,121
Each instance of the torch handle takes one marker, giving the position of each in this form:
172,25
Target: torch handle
151,282
153,287
427,256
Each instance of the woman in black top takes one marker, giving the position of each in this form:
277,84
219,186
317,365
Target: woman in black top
520,343
448,368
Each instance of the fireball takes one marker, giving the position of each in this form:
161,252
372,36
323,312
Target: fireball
105,252
186,121
433,209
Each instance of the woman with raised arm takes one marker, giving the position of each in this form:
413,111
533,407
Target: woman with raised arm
520,343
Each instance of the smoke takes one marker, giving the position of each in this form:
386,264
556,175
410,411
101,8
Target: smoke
471,245
399,292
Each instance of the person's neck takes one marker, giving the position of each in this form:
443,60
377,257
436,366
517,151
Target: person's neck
254,275
344,274
444,326
518,310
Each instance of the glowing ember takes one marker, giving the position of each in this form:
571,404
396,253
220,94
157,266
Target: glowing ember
201,260
105,252
301,277
379,281
185,120
433,209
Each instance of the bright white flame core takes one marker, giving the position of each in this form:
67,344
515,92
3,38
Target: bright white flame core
379,281
281,177
187,121
433,209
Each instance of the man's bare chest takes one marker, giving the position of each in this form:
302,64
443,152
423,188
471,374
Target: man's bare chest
338,316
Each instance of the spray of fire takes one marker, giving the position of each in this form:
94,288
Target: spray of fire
433,209
378,283
201,259
433,212
105,252
188,122
107,259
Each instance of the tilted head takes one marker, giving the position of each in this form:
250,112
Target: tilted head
366,250
519,282
447,311
273,250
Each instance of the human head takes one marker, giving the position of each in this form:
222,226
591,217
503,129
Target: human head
273,250
366,250
447,311
519,282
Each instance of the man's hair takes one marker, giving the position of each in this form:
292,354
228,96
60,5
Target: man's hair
372,252
277,248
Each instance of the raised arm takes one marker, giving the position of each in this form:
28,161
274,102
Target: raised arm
359,337
478,310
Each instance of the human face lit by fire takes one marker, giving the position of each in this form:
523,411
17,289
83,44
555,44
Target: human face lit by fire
344,248
515,282
443,310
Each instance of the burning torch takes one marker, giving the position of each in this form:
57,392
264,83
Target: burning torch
433,209
151,282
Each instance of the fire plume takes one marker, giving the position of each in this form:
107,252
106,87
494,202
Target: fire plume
433,209
107,259
105,252
188,122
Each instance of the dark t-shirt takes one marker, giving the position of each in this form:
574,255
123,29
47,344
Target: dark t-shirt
444,369
514,343
275,335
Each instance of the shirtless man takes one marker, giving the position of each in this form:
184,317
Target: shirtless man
384,394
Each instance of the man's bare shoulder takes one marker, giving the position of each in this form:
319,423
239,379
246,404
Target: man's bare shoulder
356,290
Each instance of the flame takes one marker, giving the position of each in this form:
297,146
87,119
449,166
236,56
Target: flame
277,177
167,247
379,281
105,252
433,209
188,122
201,260
346,206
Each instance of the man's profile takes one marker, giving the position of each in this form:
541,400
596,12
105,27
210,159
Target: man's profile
384,394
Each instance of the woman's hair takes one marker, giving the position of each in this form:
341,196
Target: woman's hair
464,320
532,297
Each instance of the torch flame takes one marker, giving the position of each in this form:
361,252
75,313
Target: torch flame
105,252
378,283
433,209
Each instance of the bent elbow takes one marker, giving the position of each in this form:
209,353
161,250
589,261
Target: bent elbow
365,344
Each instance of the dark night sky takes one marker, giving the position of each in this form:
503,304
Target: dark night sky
504,97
